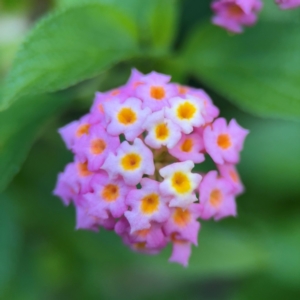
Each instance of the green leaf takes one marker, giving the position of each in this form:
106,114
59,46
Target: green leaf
19,126
70,46
156,19
10,241
255,70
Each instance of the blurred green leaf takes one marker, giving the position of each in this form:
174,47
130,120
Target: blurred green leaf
156,20
19,126
9,241
258,72
70,46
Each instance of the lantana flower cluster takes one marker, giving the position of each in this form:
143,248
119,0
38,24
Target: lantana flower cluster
234,14
134,158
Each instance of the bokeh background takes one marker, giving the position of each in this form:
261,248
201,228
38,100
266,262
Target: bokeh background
253,256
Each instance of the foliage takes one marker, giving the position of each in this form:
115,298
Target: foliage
76,46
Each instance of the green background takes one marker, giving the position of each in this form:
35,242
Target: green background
63,52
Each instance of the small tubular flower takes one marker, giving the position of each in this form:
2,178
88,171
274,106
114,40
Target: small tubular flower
88,222
126,118
95,147
180,183
224,143
183,223
147,205
134,154
186,113
150,240
161,131
181,252
189,147
234,14
155,91
287,4
108,196
230,173
216,197
74,131
131,162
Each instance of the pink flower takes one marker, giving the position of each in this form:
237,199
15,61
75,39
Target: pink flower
131,162
183,223
186,112
230,173
74,131
234,14
134,154
155,91
88,222
150,240
95,147
126,118
224,143
216,197
210,110
180,183
147,205
287,4
75,180
161,131
189,147
108,196
135,79
181,252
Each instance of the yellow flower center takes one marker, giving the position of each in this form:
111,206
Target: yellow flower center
150,203
98,146
162,131
181,183
127,116
224,141
110,192
157,92
186,111
131,161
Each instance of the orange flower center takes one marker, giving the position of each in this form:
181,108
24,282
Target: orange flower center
157,92
83,169
181,217
142,233
110,192
234,10
224,141
98,146
187,145
182,89
83,129
234,176
215,198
